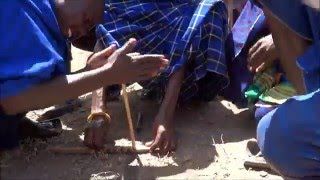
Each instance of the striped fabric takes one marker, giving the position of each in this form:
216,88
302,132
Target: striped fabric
249,22
189,33
273,98
278,94
249,27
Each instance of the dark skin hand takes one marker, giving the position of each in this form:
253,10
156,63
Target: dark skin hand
99,59
135,62
163,134
262,54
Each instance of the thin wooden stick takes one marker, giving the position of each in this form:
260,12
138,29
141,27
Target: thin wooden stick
106,149
129,117
230,14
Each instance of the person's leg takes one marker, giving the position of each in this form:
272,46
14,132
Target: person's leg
98,101
290,142
14,128
97,130
290,45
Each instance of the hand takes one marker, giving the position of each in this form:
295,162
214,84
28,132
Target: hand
164,138
96,132
262,54
127,68
100,58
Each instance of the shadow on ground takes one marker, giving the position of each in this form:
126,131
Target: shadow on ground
199,128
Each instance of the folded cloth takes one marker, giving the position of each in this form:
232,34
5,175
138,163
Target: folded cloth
278,94
272,98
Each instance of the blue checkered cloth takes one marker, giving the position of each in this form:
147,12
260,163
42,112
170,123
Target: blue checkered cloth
189,33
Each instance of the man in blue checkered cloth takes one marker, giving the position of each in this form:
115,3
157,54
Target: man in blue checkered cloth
190,33
34,55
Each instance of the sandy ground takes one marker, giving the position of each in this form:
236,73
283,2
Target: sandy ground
211,145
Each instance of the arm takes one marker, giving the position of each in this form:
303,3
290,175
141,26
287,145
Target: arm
119,68
56,91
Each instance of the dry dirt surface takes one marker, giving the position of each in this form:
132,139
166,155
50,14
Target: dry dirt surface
211,145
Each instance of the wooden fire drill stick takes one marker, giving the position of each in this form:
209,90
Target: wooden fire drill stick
129,117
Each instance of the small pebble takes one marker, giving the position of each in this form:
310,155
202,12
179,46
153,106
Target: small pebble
263,174
226,175
187,158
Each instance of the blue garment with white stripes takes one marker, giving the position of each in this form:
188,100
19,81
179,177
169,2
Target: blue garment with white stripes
189,33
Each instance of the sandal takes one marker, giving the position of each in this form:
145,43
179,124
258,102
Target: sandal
39,130
255,160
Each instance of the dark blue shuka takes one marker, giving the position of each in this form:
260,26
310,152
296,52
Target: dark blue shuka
289,136
32,51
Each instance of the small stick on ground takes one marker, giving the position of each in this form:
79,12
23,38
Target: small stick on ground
105,149
129,117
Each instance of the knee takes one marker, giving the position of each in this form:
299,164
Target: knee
264,136
284,138
275,139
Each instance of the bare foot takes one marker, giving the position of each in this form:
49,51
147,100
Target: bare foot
96,132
